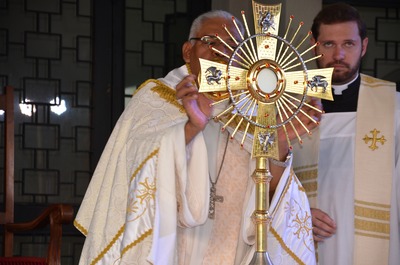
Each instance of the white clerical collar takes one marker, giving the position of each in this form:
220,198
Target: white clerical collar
338,89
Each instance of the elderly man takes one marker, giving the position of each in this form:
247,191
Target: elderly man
170,188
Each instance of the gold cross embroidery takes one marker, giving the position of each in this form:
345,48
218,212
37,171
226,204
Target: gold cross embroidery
374,139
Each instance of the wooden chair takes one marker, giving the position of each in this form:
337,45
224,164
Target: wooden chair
54,216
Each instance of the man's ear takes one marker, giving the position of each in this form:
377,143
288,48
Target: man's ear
186,50
364,44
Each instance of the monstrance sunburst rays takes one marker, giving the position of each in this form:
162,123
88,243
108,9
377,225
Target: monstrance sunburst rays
266,81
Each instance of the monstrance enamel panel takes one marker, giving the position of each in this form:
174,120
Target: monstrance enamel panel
266,80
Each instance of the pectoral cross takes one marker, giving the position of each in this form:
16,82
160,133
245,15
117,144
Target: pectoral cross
213,198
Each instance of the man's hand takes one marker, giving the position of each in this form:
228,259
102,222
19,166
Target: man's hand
323,225
197,106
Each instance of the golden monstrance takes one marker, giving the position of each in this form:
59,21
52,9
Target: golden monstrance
264,85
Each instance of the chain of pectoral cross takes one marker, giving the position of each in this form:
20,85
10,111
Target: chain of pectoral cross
213,189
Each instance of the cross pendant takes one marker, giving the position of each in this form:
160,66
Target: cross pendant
213,198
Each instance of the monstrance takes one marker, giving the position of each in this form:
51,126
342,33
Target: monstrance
265,85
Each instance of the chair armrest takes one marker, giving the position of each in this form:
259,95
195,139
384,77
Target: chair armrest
55,216
57,213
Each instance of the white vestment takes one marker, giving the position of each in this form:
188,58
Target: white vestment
148,200
336,186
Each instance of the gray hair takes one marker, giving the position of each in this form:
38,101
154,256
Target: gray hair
198,22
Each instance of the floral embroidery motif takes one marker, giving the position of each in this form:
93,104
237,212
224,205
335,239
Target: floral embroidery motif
302,225
141,199
299,220
147,191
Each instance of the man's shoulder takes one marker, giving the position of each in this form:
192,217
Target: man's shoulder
166,83
371,81
155,86
162,90
374,80
148,84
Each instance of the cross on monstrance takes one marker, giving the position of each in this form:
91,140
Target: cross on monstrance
265,84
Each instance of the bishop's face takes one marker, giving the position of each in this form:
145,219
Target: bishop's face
342,48
195,49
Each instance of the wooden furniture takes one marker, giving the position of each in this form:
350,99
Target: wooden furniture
54,216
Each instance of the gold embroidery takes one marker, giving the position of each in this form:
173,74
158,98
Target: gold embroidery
374,82
142,164
370,226
372,204
307,175
121,230
300,187
107,248
372,213
148,191
188,68
145,192
305,167
302,225
286,248
374,139
308,179
168,94
368,79
137,241
143,85
372,235
164,92
285,190
377,215
80,228
310,187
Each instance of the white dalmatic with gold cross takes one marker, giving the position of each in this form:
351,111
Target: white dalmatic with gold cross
359,178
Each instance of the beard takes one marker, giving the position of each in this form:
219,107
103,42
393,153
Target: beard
345,74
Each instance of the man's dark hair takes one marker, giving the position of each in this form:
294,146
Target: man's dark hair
338,13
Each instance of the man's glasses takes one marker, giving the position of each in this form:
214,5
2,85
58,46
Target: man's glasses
210,40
